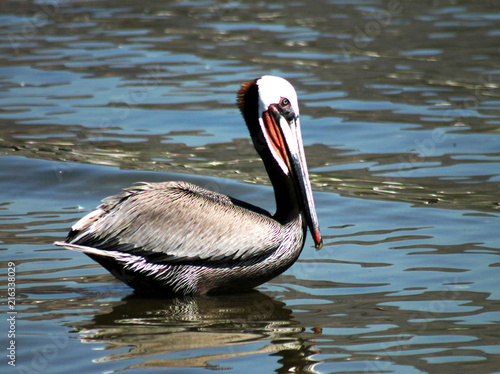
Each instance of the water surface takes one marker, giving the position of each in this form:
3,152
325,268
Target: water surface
400,112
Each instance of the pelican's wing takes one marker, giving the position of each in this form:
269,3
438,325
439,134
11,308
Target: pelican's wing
177,222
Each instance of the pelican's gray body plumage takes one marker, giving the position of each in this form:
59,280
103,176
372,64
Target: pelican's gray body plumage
178,238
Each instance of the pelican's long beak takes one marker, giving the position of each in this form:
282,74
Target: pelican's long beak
288,148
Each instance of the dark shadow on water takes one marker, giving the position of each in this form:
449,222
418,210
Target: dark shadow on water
198,331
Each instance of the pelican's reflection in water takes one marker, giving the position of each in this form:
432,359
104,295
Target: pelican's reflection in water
198,331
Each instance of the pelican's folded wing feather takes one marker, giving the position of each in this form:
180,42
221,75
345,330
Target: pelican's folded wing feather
178,222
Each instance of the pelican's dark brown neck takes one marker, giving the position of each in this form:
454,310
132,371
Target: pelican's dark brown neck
287,206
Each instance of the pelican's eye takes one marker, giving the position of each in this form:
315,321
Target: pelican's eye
286,110
285,103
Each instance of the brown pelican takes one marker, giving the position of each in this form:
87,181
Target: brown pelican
179,239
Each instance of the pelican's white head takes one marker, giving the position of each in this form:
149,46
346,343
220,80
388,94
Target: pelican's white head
272,89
